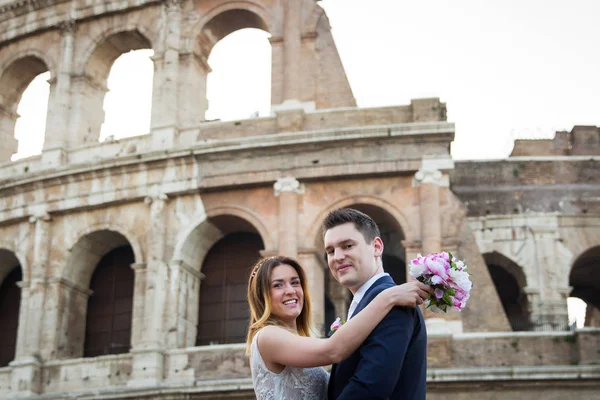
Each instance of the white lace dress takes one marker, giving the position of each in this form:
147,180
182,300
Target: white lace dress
290,384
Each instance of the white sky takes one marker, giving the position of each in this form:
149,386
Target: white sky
505,68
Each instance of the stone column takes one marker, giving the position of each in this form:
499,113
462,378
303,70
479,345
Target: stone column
26,377
293,45
277,68
430,180
288,189
66,309
57,120
165,105
315,275
33,292
87,110
139,304
182,313
148,354
193,72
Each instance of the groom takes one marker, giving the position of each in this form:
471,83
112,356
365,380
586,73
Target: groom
392,361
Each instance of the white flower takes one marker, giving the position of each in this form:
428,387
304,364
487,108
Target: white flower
461,279
417,267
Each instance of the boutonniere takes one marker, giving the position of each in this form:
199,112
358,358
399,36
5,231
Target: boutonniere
336,325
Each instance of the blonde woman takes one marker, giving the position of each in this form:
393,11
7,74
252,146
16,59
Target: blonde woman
286,362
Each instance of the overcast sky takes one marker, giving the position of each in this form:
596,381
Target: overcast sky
505,69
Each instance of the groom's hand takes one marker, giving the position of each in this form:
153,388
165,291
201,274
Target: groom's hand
411,294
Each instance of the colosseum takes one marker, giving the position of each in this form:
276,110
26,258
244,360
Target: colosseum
123,263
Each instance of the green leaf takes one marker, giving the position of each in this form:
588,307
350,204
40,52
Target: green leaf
451,292
447,300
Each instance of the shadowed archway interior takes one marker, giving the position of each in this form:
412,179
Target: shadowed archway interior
108,325
223,314
10,300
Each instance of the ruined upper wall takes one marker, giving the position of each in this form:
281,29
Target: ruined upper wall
78,41
568,185
582,140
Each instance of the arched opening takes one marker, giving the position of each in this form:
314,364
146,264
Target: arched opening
30,127
239,85
509,281
585,281
10,300
110,305
223,313
90,88
577,310
24,92
128,102
100,298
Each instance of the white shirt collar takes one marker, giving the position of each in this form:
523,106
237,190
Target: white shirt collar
360,293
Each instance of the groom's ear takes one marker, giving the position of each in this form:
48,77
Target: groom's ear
378,246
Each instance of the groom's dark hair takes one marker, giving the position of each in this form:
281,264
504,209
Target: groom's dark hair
363,223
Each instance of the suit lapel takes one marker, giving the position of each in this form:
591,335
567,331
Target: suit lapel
366,298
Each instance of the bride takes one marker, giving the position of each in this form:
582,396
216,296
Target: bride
286,362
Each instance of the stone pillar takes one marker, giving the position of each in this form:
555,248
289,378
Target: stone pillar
277,68
33,292
315,275
66,308
182,314
293,45
10,144
26,377
430,180
193,72
148,354
288,189
57,120
139,302
165,105
87,111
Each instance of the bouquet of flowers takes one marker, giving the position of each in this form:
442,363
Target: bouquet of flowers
447,276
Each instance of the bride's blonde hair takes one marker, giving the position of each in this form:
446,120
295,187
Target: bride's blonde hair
259,298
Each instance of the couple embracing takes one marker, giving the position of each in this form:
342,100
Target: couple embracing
380,353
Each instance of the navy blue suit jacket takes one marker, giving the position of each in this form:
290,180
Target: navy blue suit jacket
391,363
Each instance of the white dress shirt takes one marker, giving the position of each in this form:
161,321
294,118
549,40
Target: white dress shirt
360,293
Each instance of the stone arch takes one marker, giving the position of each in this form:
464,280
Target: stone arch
510,282
223,244
102,52
314,238
90,246
15,75
311,23
89,82
584,278
93,248
10,258
18,71
202,230
227,18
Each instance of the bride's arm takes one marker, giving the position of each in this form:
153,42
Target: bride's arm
280,346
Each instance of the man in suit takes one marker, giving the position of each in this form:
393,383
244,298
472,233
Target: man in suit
392,362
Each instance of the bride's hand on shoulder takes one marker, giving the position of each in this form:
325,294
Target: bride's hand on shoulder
408,294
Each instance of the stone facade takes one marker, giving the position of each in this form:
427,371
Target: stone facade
173,195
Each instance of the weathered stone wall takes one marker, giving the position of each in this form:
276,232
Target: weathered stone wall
582,140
